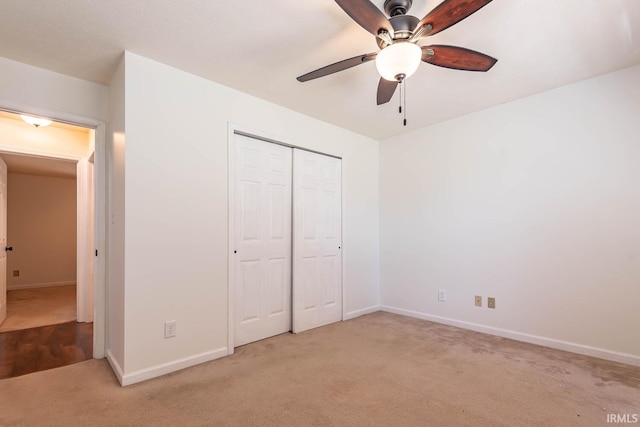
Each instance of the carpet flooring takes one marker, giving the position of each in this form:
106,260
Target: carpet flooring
377,370
31,308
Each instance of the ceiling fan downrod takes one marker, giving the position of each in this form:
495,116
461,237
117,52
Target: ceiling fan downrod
397,7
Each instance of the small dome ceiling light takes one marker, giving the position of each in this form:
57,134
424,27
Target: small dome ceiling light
36,121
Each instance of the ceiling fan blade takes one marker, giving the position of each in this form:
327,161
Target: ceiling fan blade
338,66
367,15
457,58
386,89
450,12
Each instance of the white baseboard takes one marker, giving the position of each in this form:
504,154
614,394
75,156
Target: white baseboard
163,369
357,313
38,285
115,366
586,350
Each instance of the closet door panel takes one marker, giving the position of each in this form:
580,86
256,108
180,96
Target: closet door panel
317,225
261,239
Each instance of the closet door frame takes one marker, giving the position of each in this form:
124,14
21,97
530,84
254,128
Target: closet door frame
233,130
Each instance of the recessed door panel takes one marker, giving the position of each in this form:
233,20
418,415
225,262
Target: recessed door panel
279,289
250,287
329,277
278,196
250,194
309,213
306,282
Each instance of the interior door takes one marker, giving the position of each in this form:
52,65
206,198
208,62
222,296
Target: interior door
3,241
317,260
262,239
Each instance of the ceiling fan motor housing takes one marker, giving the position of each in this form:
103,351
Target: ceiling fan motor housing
403,26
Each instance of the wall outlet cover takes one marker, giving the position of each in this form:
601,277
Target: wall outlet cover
170,328
491,302
442,295
478,301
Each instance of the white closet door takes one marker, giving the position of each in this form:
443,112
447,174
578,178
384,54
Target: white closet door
262,239
317,226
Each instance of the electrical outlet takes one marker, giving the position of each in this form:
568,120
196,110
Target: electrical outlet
491,302
16,273
478,301
170,328
442,295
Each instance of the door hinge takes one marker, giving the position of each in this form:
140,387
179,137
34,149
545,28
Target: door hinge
96,252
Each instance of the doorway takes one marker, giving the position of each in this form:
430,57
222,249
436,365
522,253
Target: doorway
29,150
285,239
41,247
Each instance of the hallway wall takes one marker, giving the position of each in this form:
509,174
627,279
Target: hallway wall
41,227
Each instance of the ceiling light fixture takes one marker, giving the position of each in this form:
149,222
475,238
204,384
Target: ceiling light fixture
398,61
36,121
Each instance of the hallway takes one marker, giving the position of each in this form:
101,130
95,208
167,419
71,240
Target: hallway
30,308
46,347
41,331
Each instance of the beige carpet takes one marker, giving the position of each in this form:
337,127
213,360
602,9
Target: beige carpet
377,370
30,308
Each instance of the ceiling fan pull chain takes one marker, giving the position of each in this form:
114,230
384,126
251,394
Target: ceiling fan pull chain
405,101
400,106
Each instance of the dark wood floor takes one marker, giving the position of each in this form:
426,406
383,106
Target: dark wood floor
46,347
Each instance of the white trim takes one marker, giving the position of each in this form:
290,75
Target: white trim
169,367
39,285
30,152
82,240
230,211
115,366
572,347
101,189
343,229
58,116
357,313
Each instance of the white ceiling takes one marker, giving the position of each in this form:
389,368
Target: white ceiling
260,47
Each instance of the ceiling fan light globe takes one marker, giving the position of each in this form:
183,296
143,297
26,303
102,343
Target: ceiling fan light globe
400,58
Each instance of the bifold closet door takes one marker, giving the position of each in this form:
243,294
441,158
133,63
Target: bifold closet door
262,239
317,241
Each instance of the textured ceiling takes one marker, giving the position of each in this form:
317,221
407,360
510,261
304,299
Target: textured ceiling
260,47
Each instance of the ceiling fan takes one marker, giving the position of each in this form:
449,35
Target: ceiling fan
397,38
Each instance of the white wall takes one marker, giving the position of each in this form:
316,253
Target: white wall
176,193
41,227
536,203
36,89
